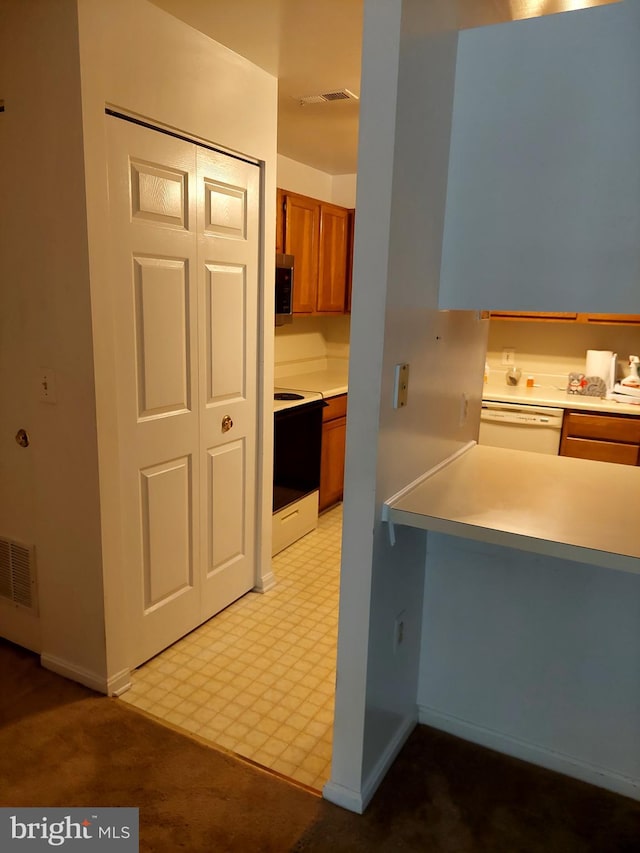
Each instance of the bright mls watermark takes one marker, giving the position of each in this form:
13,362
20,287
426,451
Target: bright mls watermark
36,829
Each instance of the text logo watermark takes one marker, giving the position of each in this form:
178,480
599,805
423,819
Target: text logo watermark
77,829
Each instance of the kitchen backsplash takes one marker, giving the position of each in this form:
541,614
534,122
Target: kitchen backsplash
311,343
550,351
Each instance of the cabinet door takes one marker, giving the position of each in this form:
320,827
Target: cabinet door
332,259
611,319
352,231
534,315
301,229
334,435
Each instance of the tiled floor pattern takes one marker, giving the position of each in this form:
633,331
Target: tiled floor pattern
259,678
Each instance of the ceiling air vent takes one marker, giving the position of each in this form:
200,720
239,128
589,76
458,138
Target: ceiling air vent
17,573
338,95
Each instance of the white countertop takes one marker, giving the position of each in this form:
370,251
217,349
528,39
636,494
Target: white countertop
329,382
554,505
550,396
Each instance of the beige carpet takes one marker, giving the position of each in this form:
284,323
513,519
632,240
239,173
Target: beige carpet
61,745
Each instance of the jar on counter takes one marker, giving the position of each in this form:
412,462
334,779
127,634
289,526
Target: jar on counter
513,375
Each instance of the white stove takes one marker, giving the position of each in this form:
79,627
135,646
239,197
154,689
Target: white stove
287,398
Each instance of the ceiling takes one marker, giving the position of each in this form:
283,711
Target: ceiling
314,46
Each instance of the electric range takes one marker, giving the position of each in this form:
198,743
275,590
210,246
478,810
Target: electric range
287,398
297,448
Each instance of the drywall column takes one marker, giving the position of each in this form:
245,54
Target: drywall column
47,263
407,96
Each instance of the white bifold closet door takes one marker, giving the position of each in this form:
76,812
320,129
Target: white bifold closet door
184,237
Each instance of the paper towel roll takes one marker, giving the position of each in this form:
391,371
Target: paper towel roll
602,363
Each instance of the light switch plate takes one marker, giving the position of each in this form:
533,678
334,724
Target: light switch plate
400,386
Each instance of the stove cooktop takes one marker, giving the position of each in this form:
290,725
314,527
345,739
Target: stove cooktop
285,398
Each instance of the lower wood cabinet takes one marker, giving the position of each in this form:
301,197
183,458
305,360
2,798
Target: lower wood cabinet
334,433
602,437
569,317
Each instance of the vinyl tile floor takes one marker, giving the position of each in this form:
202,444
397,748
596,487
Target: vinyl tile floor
259,678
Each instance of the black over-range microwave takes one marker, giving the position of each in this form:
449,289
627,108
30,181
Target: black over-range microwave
284,289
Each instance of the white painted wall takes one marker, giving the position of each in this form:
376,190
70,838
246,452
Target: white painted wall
300,178
535,657
407,97
344,190
543,208
557,348
59,65
45,266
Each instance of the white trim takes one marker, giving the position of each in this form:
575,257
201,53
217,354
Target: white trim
20,626
534,754
357,801
113,686
388,504
265,582
119,683
343,797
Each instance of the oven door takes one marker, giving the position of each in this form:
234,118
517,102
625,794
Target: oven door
296,457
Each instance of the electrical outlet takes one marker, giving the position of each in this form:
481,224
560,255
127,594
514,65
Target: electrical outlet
508,356
398,630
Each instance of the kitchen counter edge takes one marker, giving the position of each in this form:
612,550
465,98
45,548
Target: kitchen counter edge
557,398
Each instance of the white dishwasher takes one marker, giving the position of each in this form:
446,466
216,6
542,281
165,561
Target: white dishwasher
520,426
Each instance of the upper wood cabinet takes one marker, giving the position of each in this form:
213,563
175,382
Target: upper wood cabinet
567,317
318,236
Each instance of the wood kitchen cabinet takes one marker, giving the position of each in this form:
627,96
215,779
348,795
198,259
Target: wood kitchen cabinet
334,433
568,317
318,235
602,437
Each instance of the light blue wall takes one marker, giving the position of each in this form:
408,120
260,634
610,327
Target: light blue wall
534,656
407,99
543,207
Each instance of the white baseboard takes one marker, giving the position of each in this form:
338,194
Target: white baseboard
534,754
357,801
113,686
343,797
119,683
265,583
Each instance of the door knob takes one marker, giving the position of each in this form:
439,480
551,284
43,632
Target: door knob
227,423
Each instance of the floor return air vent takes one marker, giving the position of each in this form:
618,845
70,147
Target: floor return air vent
17,573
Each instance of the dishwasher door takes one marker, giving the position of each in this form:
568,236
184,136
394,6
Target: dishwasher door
521,427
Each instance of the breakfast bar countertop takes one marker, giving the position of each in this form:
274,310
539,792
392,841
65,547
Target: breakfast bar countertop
574,509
